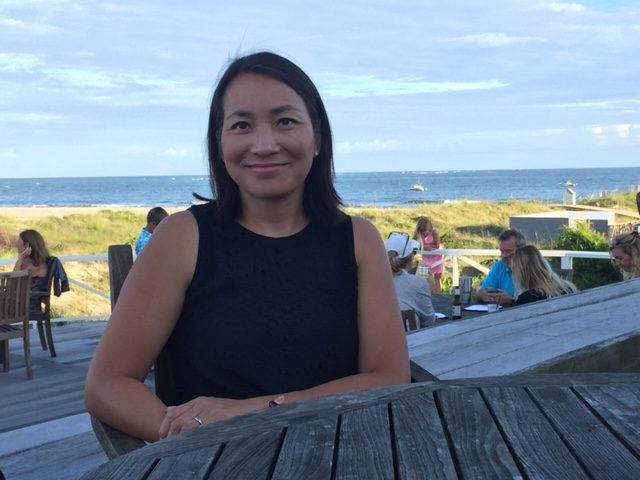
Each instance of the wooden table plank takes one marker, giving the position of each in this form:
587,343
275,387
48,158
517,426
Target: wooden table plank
536,446
479,449
591,441
619,406
365,445
422,452
250,457
197,465
307,451
129,467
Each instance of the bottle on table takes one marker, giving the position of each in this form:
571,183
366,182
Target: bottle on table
456,305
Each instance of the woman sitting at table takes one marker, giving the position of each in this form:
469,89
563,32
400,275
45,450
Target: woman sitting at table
625,254
269,294
32,255
413,291
532,277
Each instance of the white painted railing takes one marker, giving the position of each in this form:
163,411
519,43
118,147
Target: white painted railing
452,257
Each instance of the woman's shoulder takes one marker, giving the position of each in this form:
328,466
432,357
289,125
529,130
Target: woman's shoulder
363,227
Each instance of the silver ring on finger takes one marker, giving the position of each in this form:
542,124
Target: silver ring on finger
198,420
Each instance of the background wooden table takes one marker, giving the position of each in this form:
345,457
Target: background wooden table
530,426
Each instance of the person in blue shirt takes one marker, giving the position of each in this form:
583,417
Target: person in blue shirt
498,286
154,217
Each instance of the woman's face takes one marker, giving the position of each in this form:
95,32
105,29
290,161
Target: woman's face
267,138
623,260
21,245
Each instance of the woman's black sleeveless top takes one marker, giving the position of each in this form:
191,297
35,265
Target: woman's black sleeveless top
263,315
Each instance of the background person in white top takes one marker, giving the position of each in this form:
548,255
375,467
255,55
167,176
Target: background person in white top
413,291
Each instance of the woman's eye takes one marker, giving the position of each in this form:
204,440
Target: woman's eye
285,122
239,126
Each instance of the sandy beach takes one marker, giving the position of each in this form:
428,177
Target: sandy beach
34,212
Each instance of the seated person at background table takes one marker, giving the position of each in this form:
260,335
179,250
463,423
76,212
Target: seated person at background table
499,279
412,291
533,279
315,314
32,255
625,253
429,239
154,217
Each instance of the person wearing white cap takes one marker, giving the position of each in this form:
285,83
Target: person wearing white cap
413,292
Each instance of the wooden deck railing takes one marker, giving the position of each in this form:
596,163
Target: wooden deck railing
452,259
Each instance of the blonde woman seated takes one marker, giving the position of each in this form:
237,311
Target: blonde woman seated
625,254
413,292
533,279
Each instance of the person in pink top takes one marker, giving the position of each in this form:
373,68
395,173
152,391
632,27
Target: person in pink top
429,239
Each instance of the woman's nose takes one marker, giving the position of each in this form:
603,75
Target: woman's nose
264,142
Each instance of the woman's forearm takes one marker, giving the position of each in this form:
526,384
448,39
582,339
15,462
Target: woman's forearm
126,404
359,381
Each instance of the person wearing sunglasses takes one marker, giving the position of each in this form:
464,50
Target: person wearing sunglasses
413,291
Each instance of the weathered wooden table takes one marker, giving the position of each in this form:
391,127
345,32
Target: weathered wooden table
593,330
530,426
442,303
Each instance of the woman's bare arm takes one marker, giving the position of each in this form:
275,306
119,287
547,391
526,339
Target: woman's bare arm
147,309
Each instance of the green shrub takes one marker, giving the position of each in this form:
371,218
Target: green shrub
588,272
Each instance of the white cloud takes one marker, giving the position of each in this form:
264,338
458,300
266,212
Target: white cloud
362,146
623,130
344,85
565,7
8,154
27,28
490,39
626,104
174,153
615,134
29,117
13,62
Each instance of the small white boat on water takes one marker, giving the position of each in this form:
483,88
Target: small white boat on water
568,183
418,187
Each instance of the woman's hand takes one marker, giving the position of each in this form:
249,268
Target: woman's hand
201,410
25,253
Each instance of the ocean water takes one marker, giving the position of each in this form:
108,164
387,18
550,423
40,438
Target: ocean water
379,189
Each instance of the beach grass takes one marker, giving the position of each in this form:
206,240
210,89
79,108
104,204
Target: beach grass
462,224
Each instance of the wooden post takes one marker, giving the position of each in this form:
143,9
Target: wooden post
455,273
120,261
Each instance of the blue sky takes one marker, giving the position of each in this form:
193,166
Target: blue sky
110,87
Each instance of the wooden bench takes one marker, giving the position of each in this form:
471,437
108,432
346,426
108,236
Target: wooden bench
576,331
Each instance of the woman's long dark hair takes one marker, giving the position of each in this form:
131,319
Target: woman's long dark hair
321,202
39,251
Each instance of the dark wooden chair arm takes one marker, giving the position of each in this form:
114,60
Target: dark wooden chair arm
114,442
419,374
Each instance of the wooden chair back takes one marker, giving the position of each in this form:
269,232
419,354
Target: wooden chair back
14,309
120,259
409,320
43,314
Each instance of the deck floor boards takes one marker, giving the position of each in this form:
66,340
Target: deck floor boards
44,429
